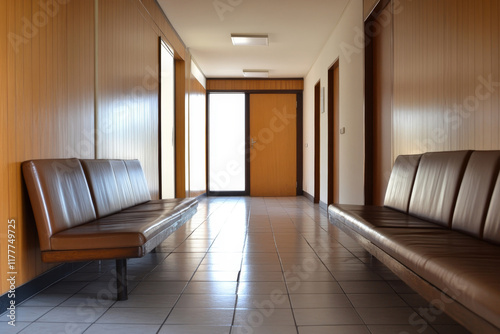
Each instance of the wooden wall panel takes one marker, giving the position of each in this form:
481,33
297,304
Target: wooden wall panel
4,145
127,121
46,106
254,84
197,139
181,92
48,94
446,75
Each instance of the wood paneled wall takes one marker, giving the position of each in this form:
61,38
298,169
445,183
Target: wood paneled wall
254,84
181,94
52,105
197,139
46,106
127,112
4,148
446,75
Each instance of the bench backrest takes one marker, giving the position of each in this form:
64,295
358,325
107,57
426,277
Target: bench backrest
436,186
492,225
65,193
127,198
115,184
475,193
138,181
459,190
400,185
103,186
59,196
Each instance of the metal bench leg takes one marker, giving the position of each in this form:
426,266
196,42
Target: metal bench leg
121,279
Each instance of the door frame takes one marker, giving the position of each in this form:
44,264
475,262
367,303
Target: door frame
300,138
246,192
163,45
376,163
317,143
333,133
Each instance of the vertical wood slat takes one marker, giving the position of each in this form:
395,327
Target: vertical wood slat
437,73
4,172
17,116
495,55
197,138
486,34
180,125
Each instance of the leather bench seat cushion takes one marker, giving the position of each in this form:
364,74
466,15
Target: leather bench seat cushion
364,218
466,268
123,229
164,205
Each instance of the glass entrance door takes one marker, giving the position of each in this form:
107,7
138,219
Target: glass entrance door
226,144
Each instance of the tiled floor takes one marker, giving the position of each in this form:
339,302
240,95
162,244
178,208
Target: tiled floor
240,266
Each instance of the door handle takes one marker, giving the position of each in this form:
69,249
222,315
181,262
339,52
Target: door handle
252,141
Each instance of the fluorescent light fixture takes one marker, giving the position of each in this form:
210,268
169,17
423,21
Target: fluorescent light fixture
256,74
253,40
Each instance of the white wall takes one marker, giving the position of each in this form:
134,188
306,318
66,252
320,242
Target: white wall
345,44
198,74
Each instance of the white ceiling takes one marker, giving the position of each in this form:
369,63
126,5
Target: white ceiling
298,30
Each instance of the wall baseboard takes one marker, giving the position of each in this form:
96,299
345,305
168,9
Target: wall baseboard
323,206
39,283
308,196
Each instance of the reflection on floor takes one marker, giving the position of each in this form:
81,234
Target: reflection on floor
241,266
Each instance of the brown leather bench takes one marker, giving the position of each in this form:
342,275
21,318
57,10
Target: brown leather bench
99,209
439,231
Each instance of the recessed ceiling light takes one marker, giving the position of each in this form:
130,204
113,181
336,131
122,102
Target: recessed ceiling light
253,40
256,73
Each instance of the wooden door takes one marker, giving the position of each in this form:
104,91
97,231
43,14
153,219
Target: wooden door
273,145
